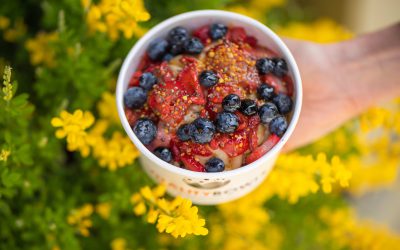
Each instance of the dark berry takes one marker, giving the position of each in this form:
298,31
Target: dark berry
265,65
202,130
278,125
167,57
135,97
248,107
208,78
177,38
214,165
231,103
147,80
265,92
183,132
163,153
217,31
157,49
280,67
145,130
267,112
226,122
283,102
193,46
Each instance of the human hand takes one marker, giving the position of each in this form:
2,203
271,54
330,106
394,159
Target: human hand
343,79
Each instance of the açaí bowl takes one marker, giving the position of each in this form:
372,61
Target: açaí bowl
200,187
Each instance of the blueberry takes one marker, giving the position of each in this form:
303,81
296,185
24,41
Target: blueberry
202,130
217,31
265,65
248,107
226,122
167,57
265,92
183,132
135,97
145,130
267,112
283,102
278,125
208,78
214,165
163,153
147,80
177,38
231,103
157,49
280,67
193,46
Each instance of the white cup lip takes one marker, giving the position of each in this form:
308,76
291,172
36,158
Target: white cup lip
170,23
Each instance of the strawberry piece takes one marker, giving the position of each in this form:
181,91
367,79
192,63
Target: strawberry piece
218,92
135,79
278,84
236,34
262,149
251,40
234,144
163,137
243,121
175,149
191,163
202,34
191,148
289,85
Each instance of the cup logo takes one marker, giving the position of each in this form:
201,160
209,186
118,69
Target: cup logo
206,183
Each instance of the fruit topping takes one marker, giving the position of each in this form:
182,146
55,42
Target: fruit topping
202,130
283,102
145,130
135,97
267,112
231,103
248,107
147,80
226,122
217,31
278,126
214,165
163,153
208,78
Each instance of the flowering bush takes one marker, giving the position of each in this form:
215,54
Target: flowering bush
69,178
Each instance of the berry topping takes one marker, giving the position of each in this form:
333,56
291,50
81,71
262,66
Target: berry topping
278,125
217,31
214,165
208,78
248,107
265,65
157,49
280,67
135,97
267,112
177,38
231,103
202,130
145,130
168,57
163,153
183,132
227,122
262,149
265,92
193,46
283,102
147,80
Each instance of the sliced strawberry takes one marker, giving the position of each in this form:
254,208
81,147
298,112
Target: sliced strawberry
191,148
218,92
175,149
132,116
289,85
202,34
236,34
191,163
163,137
135,79
262,149
251,40
259,52
187,81
243,121
234,144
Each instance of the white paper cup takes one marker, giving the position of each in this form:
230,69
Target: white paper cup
208,188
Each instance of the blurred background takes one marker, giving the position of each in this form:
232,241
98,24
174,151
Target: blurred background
90,192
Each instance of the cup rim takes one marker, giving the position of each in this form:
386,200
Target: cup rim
169,23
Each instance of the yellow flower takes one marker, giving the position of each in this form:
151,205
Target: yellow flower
118,244
79,218
12,34
177,217
119,151
73,127
4,22
322,31
346,232
4,154
107,108
7,86
115,17
103,209
40,49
